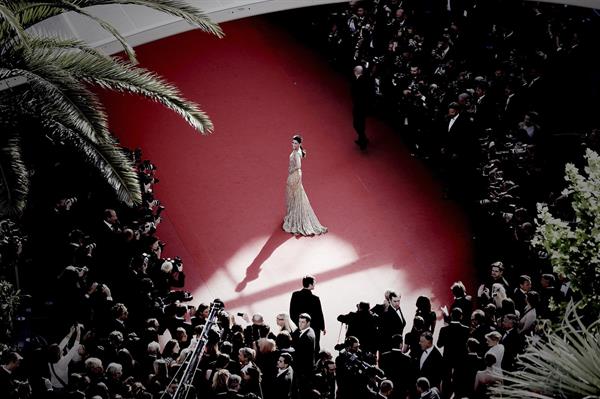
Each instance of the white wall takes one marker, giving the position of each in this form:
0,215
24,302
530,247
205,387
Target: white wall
141,25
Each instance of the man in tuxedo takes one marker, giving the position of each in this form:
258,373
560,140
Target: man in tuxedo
431,364
460,150
304,301
393,321
512,341
480,327
304,345
485,108
398,367
360,101
465,372
514,106
520,293
453,338
282,384
548,293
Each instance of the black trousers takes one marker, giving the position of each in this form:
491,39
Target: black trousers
359,121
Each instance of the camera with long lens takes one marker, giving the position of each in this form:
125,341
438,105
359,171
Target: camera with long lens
357,366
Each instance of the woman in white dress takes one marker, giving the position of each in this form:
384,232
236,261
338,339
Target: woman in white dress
300,218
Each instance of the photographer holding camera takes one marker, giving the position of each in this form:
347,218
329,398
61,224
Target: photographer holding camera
352,370
362,324
166,274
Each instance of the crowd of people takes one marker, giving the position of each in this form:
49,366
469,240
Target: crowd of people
477,89
467,85
104,281
118,355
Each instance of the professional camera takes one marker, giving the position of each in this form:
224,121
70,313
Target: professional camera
146,165
355,365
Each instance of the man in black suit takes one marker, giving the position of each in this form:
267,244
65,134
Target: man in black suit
324,380
480,328
360,101
520,293
282,384
234,384
514,106
461,301
362,324
350,366
465,372
485,108
398,367
393,321
453,338
512,341
304,345
460,150
431,364
304,301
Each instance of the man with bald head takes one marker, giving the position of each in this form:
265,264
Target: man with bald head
360,101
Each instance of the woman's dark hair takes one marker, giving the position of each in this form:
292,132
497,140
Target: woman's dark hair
283,340
169,349
423,304
298,138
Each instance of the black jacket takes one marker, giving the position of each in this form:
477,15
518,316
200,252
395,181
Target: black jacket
304,301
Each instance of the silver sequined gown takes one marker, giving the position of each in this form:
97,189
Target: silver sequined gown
300,218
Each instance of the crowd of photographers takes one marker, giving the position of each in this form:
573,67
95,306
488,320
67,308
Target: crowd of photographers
104,281
476,89
109,352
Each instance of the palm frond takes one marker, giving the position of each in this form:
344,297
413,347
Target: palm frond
33,12
71,6
107,158
30,13
14,177
78,108
177,8
51,44
565,363
118,75
10,22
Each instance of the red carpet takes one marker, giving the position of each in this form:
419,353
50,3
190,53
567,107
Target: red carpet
389,227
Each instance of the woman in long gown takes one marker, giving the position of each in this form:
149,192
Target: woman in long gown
300,218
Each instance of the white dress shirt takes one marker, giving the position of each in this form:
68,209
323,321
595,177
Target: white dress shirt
452,120
424,357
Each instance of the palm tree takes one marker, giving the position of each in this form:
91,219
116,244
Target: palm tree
565,363
54,100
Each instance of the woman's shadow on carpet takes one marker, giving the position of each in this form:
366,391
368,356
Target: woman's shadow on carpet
278,237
